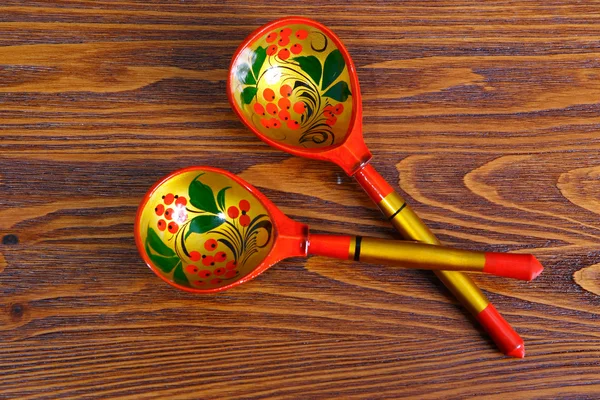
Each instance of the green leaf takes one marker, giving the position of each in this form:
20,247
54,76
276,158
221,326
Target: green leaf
202,196
244,75
248,94
334,65
311,65
338,92
166,264
179,276
157,244
260,55
203,223
221,198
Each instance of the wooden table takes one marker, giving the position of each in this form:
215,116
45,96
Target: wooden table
486,116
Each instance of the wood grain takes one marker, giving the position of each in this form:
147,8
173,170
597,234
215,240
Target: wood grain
486,115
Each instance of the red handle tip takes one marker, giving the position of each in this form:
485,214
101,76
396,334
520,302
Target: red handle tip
536,268
507,340
519,266
518,352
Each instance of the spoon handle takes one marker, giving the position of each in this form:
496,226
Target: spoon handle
410,226
417,255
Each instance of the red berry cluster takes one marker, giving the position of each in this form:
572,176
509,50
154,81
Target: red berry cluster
174,213
284,42
227,271
330,113
233,212
281,109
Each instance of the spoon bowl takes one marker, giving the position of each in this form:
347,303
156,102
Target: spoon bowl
203,230
293,83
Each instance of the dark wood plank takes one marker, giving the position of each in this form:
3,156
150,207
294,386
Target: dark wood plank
485,115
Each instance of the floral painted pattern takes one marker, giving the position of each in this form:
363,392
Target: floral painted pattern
293,86
202,240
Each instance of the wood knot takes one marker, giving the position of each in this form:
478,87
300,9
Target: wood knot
589,278
16,312
10,240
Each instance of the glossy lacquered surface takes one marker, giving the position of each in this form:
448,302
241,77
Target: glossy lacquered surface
352,155
203,230
293,83
228,233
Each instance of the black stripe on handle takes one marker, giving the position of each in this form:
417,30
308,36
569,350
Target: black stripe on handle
357,248
397,212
